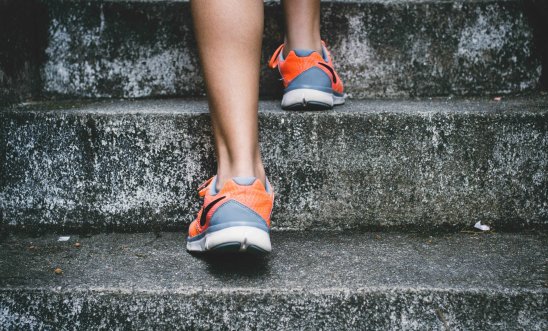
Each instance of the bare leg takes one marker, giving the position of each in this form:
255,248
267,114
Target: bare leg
302,27
229,35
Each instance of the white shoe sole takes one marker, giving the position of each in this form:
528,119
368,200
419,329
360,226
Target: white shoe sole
310,99
235,238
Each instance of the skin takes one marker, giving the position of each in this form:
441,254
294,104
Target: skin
230,54
302,25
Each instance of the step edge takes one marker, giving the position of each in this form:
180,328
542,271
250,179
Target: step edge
191,291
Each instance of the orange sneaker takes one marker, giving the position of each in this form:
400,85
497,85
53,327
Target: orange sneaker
309,79
235,218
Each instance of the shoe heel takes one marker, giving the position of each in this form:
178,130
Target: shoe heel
307,99
234,239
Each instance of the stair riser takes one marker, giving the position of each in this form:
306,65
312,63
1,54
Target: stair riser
146,49
349,310
419,170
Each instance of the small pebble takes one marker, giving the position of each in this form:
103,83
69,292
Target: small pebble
58,271
497,98
77,245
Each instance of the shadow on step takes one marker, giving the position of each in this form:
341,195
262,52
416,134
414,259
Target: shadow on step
230,264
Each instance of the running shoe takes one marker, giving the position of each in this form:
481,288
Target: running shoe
235,218
309,79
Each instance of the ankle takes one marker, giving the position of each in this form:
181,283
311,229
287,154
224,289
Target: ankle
227,172
309,44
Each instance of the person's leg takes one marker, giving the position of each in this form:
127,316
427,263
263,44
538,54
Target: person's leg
238,202
302,25
309,78
229,35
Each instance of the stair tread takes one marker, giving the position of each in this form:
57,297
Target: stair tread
347,1
530,103
317,262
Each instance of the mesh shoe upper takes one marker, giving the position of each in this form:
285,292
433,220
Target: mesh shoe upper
234,202
295,64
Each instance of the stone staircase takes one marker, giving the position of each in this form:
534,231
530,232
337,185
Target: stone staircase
105,135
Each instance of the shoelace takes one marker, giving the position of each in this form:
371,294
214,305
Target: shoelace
202,189
274,59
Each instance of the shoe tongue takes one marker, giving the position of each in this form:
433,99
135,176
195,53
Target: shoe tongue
246,181
303,52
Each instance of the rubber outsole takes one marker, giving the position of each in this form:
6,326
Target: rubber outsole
236,247
310,99
233,239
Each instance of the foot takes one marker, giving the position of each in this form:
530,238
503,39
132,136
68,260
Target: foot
234,218
309,79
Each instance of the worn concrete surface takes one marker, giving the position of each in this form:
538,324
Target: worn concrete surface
23,40
135,165
382,48
311,281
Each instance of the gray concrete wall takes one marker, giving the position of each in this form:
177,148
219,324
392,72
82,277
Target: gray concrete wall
138,49
372,164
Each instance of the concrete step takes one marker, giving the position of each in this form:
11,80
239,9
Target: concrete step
312,281
407,164
135,48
